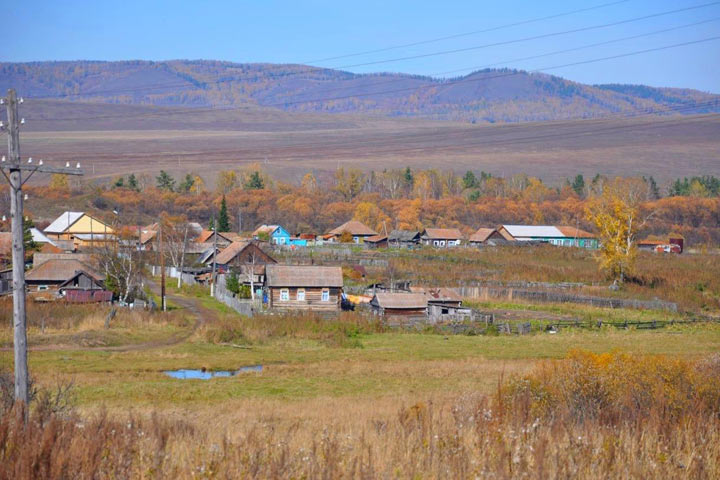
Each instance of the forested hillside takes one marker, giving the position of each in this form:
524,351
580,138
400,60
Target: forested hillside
486,96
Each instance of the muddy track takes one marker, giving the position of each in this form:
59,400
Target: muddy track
192,305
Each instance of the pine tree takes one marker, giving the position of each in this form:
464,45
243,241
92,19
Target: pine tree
120,182
408,177
133,183
28,241
165,181
255,181
469,180
579,185
186,184
223,219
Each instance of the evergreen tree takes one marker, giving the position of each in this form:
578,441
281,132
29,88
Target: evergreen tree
165,181
133,183
255,181
223,219
120,182
469,180
654,190
28,241
579,185
186,184
408,177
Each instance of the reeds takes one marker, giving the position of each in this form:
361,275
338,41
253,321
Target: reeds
590,416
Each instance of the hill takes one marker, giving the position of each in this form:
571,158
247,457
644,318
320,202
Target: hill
487,96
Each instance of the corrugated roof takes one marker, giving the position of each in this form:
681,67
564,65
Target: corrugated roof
443,233
482,234
533,231
353,227
39,237
59,270
574,232
303,276
400,300
63,222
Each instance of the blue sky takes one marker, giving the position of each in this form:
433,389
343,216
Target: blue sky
303,31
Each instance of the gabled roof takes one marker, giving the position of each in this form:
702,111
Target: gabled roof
39,237
438,294
63,222
443,233
97,281
482,234
534,231
400,300
228,253
353,227
376,238
403,235
147,235
303,276
207,254
60,270
207,236
574,232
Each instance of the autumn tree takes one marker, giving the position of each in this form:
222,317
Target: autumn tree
59,182
616,215
186,184
226,181
348,183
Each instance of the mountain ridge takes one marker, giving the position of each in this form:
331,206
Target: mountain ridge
483,96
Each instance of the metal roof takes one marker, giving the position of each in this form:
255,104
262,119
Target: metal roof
59,270
39,237
482,234
404,235
63,222
443,233
533,231
303,276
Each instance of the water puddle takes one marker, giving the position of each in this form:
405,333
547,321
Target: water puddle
204,374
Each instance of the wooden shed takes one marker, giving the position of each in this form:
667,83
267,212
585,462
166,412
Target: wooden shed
303,287
394,304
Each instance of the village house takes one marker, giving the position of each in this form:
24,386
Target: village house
399,304
277,235
563,236
441,237
246,259
66,277
303,287
377,241
404,238
80,228
486,236
357,230
223,238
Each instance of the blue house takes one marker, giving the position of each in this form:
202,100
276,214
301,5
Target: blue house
277,235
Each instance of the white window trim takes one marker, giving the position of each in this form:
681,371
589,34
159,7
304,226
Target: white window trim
284,294
325,296
298,295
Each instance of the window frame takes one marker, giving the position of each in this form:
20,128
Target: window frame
325,295
284,294
297,295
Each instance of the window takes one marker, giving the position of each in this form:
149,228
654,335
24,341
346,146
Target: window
325,295
301,294
284,294
42,287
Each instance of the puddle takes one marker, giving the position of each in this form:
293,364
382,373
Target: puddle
202,374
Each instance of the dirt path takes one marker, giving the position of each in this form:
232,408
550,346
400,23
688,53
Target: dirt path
192,305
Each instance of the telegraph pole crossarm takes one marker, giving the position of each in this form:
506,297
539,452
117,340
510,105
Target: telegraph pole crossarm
12,168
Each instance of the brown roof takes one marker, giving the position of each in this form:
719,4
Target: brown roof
59,270
50,248
269,229
574,232
441,294
376,238
353,227
228,253
147,236
443,233
400,300
207,236
303,276
482,234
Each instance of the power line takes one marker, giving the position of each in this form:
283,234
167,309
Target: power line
526,39
474,32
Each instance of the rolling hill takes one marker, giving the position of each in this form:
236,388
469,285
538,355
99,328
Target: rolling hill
487,96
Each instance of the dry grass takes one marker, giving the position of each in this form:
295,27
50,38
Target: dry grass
499,436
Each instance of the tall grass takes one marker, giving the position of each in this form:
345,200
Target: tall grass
587,420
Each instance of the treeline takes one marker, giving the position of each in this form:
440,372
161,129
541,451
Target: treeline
398,198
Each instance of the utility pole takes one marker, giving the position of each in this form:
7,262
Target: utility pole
239,221
214,267
182,256
12,166
162,269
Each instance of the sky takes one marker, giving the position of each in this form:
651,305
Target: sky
312,31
